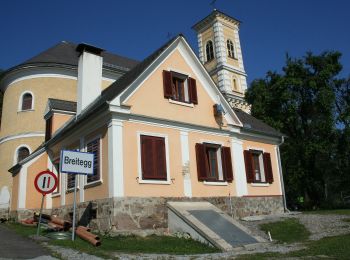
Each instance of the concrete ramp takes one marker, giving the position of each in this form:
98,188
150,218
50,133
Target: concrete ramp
205,222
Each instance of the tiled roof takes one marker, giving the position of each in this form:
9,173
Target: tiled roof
65,53
251,123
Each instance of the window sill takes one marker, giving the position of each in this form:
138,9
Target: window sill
154,182
214,183
71,190
55,195
28,110
93,184
260,184
180,103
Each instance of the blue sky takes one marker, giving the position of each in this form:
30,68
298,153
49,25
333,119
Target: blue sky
270,28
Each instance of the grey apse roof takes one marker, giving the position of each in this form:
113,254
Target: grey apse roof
65,53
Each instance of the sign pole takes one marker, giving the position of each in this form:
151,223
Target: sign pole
41,211
74,205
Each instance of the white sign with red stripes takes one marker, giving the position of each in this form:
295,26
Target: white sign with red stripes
45,182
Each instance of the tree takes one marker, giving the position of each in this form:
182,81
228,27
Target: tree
301,102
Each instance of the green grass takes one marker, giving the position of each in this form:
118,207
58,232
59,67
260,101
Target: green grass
20,229
133,244
346,219
337,247
329,212
289,231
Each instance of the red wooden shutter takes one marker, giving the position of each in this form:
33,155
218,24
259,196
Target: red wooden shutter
192,89
268,168
147,157
167,84
27,101
160,158
248,166
226,163
202,162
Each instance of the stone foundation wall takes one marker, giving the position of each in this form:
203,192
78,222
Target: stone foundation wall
134,213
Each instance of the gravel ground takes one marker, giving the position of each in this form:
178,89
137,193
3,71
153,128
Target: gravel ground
319,225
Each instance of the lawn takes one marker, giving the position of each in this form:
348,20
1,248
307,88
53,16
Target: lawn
127,244
329,212
289,230
337,247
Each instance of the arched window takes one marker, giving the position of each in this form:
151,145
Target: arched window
209,50
230,49
235,85
27,101
22,153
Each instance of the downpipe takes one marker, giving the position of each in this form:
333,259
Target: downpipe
281,177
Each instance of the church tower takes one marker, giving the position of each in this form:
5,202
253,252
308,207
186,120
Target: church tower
221,54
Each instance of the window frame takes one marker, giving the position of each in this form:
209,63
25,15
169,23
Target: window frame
205,51
100,180
186,91
221,178
166,142
20,103
261,166
57,191
15,157
69,190
229,44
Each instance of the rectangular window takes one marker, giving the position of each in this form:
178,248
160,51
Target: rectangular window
70,181
258,166
213,162
179,87
94,147
153,158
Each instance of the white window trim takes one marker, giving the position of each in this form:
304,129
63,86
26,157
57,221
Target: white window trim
21,101
16,152
256,184
205,50
181,103
57,194
219,161
142,181
261,165
214,183
179,71
100,181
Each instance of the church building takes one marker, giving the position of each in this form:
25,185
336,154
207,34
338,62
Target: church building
173,127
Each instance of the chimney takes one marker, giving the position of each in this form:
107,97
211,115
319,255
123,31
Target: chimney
89,75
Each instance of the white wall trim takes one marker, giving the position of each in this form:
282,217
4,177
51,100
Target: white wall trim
166,141
16,152
48,197
23,135
22,187
239,167
185,156
20,101
213,183
115,159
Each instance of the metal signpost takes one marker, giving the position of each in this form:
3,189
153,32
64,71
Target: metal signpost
74,162
45,182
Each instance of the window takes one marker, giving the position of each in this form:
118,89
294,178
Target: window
56,166
258,166
230,49
27,103
235,84
179,87
71,181
22,153
153,158
48,131
94,147
209,50
214,162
